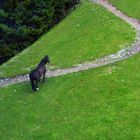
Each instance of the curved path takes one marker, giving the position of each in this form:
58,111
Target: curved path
120,55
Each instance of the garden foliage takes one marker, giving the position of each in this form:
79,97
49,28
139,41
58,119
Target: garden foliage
23,21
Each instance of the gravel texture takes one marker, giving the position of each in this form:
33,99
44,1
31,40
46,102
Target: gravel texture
120,55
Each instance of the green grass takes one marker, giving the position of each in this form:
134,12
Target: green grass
130,7
103,103
89,32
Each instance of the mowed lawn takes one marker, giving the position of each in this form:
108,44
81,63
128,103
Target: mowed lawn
89,32
130,7
101,103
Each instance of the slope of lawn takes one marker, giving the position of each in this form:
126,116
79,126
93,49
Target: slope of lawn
103,103
130,7
89,32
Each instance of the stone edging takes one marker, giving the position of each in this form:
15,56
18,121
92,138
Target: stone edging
120,55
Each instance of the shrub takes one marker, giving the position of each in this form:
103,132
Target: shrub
23,21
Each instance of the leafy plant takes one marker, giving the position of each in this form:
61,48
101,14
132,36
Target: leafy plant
23,21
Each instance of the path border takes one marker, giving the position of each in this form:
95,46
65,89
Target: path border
120,55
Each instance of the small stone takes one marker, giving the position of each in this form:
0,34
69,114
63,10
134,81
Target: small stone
78,25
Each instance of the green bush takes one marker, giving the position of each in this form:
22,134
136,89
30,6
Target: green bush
23,21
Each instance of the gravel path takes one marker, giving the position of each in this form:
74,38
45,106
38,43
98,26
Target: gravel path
120,55
134,22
